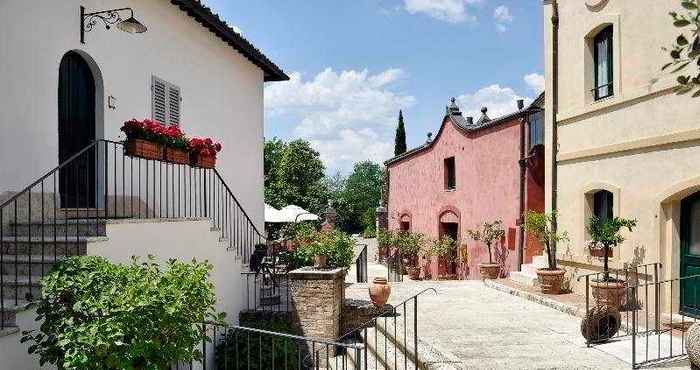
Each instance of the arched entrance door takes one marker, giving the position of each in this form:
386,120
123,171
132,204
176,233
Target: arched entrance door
76,130
690,254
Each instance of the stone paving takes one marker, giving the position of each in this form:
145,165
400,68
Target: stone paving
471,326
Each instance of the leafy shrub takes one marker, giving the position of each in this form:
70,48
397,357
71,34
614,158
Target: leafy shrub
489,233
410,244
99,315
385,238
444,247
369,233
540,225
605,234
241,345
338,246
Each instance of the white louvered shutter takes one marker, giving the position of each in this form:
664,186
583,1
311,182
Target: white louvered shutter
159,100
174,101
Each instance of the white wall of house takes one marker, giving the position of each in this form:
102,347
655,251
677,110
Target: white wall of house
222,90
165,239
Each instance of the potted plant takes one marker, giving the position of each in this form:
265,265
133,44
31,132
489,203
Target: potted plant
177,145
444,250
410,245
489,233
144,139
203,152
385,238
540,226
605,235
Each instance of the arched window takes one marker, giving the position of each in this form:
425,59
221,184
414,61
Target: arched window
603,205
603,63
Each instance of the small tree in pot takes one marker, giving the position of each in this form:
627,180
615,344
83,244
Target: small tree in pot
605,235
540,226
490,233
445,249
410,245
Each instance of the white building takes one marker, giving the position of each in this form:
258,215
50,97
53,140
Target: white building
59,94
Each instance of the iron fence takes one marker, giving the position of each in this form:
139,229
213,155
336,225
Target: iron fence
52,218
267,292
361,265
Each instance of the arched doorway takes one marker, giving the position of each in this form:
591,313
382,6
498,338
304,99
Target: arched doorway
690,254
76,130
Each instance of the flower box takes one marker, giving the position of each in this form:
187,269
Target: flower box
144,149
202,161
178,156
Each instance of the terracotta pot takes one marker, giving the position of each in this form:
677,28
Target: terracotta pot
413,272
321,262
489,270
608,293
379,291
144,149
551,280
178,156
203,162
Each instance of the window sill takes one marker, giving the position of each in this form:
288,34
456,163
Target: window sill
450,190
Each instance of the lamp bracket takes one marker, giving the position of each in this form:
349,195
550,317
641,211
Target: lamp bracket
108,17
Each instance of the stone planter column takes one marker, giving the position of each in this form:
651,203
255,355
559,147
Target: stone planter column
317,297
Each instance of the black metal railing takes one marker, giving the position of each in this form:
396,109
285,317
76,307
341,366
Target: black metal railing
390,339
267,292
394,266
237,347
50,219
361,265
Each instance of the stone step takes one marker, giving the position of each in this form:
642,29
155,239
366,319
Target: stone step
61,246
8,314
523,278
22,288
540,260
66,228
23,265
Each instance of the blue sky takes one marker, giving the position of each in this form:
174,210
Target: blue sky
355,63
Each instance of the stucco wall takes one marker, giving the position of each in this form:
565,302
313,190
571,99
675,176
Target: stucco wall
222,91
179,239
643,143
487,174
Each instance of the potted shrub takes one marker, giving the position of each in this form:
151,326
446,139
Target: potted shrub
444,250
203,152
144,139
385,238
177,145
410,245
605,235
540,226
488,234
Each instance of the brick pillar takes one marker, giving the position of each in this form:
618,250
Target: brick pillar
330,216
382,216
317,296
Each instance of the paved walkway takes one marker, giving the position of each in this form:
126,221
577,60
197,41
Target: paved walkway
476,327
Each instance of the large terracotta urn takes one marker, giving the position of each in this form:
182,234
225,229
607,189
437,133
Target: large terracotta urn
489,270
550,280
379,291
608,293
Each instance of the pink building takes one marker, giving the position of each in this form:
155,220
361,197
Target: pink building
472,172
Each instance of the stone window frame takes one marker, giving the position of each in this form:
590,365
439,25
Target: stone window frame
597,24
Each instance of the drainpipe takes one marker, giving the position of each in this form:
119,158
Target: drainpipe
521,211
555,108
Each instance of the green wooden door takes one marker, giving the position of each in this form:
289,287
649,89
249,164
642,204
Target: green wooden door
690,254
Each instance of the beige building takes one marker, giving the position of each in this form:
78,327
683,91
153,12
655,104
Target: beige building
626,145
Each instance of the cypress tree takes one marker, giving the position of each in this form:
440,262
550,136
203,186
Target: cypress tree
400,140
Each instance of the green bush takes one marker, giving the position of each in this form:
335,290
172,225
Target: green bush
243,349
338,246
444,248
385,238
410,244
369,233
99,315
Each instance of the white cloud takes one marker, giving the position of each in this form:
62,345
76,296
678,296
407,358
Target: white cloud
535,82
347,116
453,11
503,17
499,101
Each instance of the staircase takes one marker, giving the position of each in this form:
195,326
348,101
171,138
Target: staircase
528,273
36,232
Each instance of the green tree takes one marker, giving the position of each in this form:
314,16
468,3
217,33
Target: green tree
685,51
400,140
296,176
360,195
273,154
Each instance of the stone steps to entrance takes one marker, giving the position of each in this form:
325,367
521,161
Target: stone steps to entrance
23,265
528,272
47,245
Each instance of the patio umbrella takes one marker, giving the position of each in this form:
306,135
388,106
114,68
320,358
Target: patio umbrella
273,215
292,213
